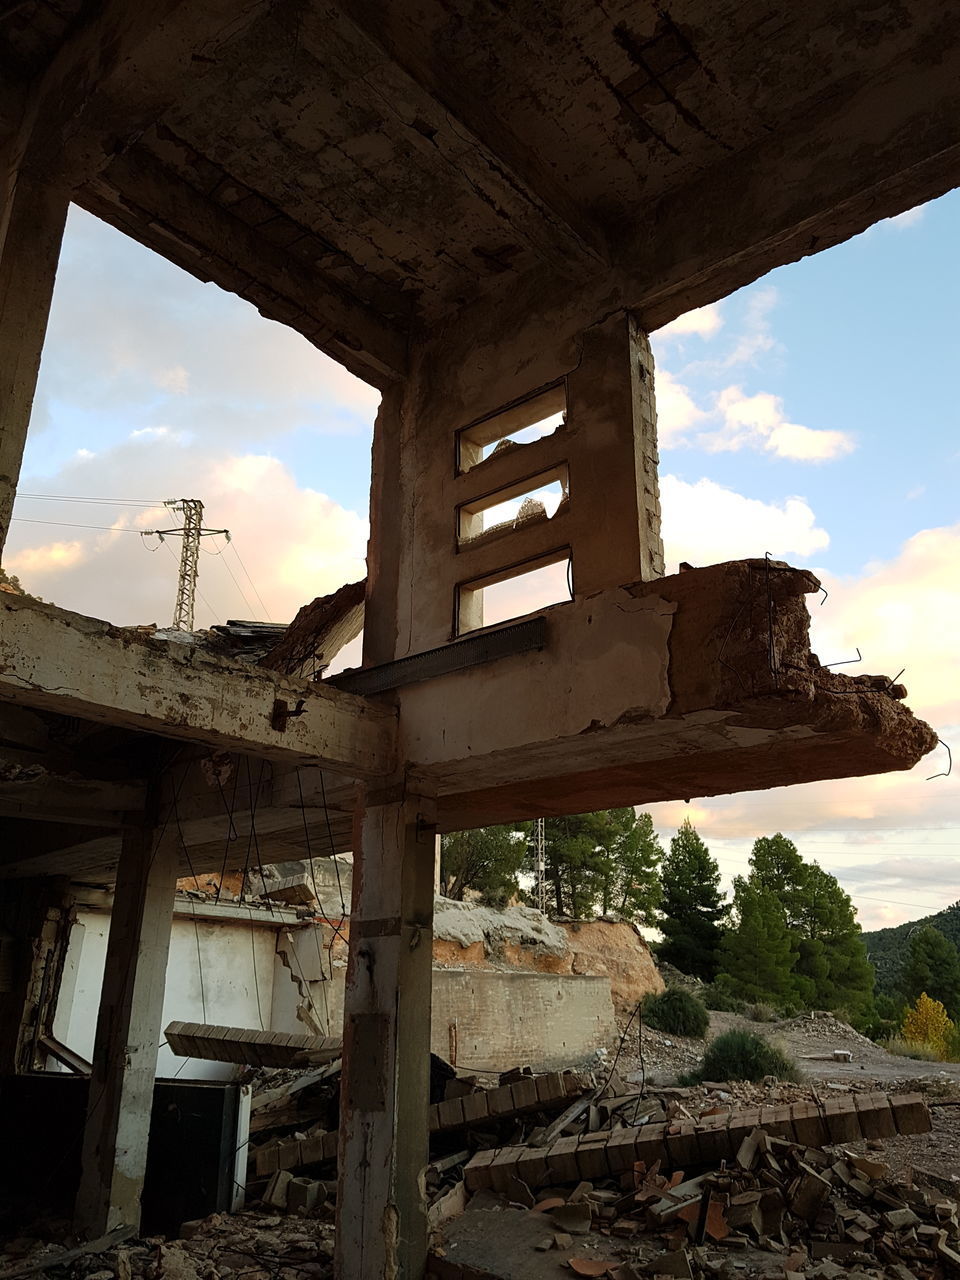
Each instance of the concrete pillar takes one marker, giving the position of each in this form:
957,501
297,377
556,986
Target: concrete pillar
128,1033
384,1095
32,219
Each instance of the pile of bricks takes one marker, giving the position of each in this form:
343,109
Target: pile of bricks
692,1143
759,1191
465,1107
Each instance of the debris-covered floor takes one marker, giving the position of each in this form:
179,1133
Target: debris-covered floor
540,1176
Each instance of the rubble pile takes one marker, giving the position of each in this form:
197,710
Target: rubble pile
293,1127
768,1191
254,1245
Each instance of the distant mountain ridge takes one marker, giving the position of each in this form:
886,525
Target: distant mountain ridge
887,948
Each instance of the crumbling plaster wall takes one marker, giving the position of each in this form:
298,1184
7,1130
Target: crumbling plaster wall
217,972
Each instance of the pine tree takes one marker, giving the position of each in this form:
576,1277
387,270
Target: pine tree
638,854
486,860
579,865
832,969
759,954
933,967
692,906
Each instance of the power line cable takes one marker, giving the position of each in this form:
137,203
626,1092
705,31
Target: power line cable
266,611
226,565
66,524
105,502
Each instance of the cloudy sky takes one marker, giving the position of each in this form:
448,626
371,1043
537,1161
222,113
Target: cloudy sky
813,415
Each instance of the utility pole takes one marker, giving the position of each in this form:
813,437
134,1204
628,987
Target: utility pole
540,864
191,532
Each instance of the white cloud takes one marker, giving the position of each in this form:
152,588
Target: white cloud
756,337
175,379
741,421
677,412
49,558
759,421
126,336
705,523
909,218
704,322
295,543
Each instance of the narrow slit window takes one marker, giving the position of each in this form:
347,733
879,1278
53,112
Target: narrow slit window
512,428
513,593
536,498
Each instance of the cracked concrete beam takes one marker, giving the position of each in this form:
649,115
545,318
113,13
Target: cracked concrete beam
697,684
60,661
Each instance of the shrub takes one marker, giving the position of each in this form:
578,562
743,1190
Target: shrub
718,995
908,1049
742,1055
926,1023
760,1012
677,1012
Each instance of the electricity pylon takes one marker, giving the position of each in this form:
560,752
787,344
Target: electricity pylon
540,864
191,532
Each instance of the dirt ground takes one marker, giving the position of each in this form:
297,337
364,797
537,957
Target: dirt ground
807,1037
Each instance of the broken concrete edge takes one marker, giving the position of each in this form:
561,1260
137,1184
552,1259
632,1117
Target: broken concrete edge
247,1047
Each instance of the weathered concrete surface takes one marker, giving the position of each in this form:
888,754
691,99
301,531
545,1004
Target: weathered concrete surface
114,1154
715,690
469,936
490,1020
58,661
573,158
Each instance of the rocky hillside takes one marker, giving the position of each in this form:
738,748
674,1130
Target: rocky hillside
887,948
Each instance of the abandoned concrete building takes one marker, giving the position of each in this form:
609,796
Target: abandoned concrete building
482,210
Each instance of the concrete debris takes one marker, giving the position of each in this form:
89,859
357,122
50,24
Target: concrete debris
248,1047
464,1106
778,1194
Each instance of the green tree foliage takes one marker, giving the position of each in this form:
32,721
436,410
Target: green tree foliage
693,909
933,967
741,1055
831,969
637,852
485,860
758,956
604,862
677,1012
10,580
888,948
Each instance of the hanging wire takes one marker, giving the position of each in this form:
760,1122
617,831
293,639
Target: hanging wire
65,524
231,827
106,502
266,611
236,583
944,773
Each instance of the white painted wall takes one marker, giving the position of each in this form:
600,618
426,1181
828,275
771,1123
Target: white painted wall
219,971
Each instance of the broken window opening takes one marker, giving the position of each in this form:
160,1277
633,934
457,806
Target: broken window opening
536,498
538,416
515,592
